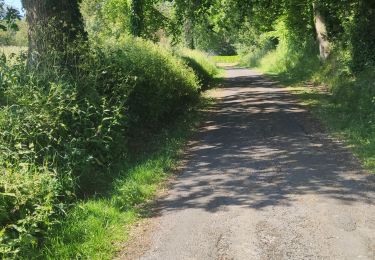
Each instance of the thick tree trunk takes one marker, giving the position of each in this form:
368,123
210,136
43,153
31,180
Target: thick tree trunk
137,17
321,31
53,25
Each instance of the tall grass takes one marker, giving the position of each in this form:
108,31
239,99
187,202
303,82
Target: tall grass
226,59
203,66
95,228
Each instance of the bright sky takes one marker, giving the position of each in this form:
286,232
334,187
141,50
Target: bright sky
15,3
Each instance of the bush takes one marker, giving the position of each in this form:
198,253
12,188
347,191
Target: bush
202,65
63,130
51,124
281,51
28,200
162,86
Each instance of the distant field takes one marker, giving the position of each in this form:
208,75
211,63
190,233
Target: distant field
8,50
226,59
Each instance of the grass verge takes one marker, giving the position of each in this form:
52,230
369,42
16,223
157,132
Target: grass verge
355,128
226,59
94,229
202,65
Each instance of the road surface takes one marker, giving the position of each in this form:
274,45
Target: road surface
265,182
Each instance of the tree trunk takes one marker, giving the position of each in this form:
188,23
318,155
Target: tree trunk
189,33
53,25
137,17
321,31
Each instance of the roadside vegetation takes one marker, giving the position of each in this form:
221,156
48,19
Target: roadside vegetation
66,136
226,59
78,122
94,228
203,66
337,83
92,84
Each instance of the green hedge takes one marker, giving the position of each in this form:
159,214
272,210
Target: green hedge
202,65
61,132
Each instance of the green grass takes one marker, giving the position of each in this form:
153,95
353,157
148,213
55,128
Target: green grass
226,59
95,228
202,65
72,128
355,128
349,126
90,231
346,106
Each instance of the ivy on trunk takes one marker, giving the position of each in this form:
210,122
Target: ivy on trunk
53,26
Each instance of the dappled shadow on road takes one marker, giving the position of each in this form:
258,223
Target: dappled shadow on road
260,148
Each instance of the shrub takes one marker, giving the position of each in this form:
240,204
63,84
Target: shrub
55,125
62,130
162,86
280,51
28,200
202,65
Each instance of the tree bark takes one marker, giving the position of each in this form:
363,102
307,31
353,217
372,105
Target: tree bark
53,25
137,17
322,35
189,33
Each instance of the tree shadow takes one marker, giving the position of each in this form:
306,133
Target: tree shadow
259,148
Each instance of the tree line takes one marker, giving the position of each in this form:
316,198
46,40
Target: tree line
218,26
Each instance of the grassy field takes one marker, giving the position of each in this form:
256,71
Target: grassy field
8,50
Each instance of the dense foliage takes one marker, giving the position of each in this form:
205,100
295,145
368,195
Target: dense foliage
62,133
96,80
16,36
288,42
203,66
8,17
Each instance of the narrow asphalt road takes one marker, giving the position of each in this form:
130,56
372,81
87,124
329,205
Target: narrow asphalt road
265,182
